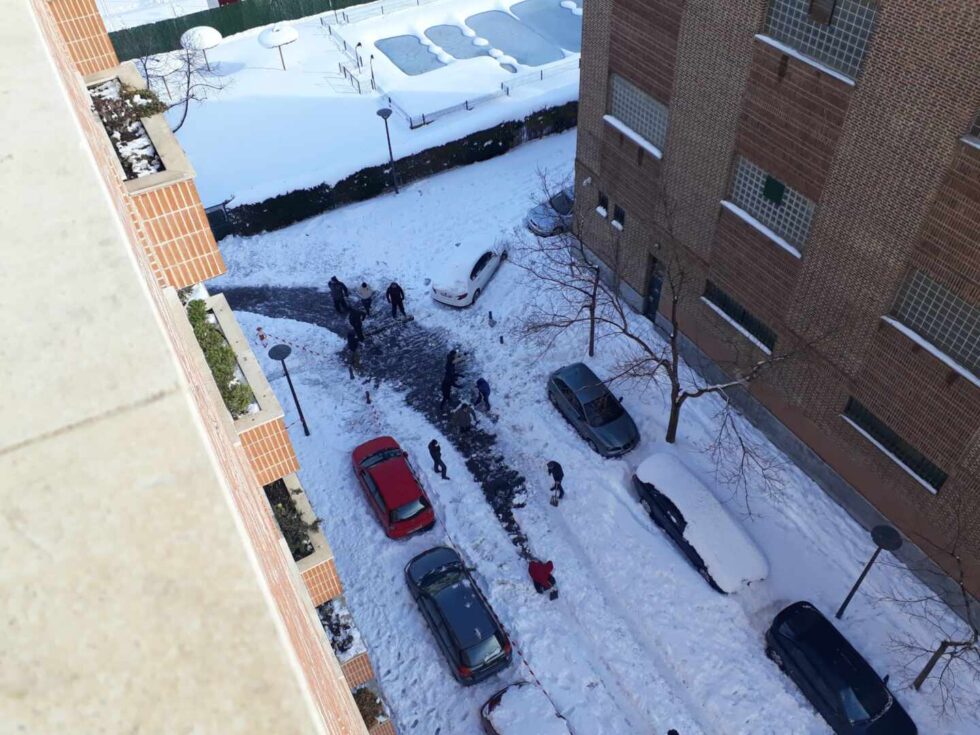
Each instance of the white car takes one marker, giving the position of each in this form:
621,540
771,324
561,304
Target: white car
466,273
694,519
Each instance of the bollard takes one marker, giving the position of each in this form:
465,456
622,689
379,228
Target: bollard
351,369
367,395
501,339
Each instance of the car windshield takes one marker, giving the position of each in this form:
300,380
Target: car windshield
441,577
409,510
481,652
378,457
603,410
846,675
561,203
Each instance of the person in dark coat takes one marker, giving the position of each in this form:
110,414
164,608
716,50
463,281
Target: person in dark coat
339,293
396,297
353,347
541,574
435,451
484,388
557,474
463,418
356,319
447,392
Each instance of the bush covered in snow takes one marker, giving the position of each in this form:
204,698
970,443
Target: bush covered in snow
284,210
338,622
120,108
221,359
295,529
370,706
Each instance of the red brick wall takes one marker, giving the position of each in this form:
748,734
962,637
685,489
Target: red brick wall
269,451
86,40
643,43
322,582
792,115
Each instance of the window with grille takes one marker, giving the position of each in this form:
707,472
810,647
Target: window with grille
840,41
619,217
941,317
637,110
975,129
895,445
740,315
780,208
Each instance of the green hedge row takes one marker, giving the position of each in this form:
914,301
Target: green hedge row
164,35
286,209
220,358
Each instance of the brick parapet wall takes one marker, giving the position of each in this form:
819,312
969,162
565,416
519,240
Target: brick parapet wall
326,686
358,670
322,582
83,30
269,451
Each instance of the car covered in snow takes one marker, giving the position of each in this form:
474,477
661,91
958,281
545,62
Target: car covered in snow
840,684
522,709
459,616
554,216
593,410
696,521
392,488
465,274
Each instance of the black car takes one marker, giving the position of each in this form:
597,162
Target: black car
833,675
460,618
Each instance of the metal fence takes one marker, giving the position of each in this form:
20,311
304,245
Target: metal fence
545,72
164,35
374,9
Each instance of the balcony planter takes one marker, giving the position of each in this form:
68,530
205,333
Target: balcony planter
372,709
152,158
223,361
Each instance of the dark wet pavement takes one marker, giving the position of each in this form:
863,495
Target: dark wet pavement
411,358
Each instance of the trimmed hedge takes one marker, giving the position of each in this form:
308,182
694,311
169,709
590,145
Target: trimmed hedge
220,358
300,204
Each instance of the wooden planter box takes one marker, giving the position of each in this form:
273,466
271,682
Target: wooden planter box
164,206
263,433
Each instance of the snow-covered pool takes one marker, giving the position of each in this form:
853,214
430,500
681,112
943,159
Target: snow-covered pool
533,33
409,54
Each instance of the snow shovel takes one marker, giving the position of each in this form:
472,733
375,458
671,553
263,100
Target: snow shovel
553,595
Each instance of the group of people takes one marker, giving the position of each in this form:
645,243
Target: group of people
463,416
358,309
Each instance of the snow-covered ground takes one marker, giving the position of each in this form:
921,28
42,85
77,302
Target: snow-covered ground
119,14
269,131
637,642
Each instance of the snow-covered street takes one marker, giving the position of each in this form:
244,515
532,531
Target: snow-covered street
637,642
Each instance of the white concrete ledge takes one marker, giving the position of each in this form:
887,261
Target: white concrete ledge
620,126
799,55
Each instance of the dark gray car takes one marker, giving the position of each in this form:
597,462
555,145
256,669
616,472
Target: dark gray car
593,410
553,216
460,618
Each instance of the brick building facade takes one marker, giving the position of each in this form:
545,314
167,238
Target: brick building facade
821,163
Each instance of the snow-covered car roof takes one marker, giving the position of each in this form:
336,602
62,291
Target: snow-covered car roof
730,554
525,710
453,268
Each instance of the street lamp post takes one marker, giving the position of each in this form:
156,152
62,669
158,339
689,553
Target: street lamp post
384,113
280,353
885,537
371,62
357,53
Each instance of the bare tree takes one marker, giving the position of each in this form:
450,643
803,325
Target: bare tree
184,77
951,659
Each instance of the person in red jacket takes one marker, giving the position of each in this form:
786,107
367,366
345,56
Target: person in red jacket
541,575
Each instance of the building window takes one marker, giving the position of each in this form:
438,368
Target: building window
603,207
941,317
822,11
780,208
894,445
840,41
738,314
619,218
975,128
638,111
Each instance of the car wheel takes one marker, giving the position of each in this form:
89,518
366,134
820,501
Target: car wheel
773,655
592,445
476,295
551,397
703,571
503,255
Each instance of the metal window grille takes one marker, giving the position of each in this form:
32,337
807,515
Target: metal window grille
638,110
909,455
619,215
975,130
739,314
840,44
941,317
790,218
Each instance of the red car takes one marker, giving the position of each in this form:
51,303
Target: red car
392,488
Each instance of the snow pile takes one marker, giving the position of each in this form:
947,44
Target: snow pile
525,710
730,554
